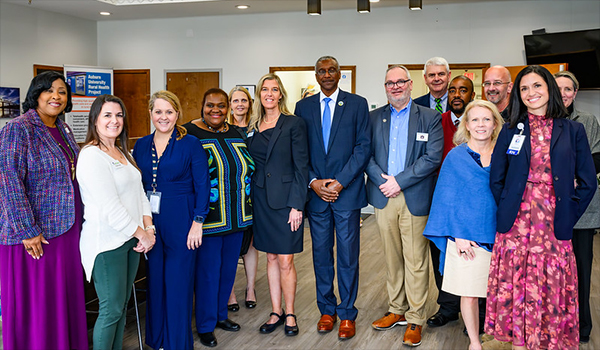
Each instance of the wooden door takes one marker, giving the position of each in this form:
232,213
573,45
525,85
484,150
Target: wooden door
133,87
190,87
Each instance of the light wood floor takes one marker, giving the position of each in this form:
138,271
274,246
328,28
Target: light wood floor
371,303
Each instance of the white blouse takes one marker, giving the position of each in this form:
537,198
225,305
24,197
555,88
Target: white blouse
114,204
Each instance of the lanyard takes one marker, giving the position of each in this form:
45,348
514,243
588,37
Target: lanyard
155,161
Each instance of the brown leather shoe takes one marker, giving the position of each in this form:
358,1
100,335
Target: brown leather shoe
326,323
389,321
347,330
412,336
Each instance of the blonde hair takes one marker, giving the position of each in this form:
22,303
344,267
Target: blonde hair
463,135
258,111
230,117
174,102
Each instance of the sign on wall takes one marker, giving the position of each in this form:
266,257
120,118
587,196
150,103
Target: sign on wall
86,83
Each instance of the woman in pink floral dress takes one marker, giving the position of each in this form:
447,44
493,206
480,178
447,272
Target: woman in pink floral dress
542,177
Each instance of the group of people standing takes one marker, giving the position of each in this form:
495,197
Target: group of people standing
244,177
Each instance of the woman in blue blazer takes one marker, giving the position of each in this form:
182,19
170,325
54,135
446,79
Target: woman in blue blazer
278,144
542,178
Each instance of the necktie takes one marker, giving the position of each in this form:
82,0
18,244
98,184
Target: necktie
326,122
438,105
456,122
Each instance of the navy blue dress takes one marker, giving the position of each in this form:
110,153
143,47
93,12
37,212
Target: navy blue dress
183,181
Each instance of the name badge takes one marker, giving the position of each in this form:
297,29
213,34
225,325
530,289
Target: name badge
515,145
422,136
251,133
116,164
154,198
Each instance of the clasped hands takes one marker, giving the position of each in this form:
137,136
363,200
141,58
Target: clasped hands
327,189
390,187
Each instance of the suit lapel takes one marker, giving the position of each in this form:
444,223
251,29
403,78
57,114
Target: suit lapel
316,118
556,131
275,135
385,128
413,123
527,142
46,137
339,107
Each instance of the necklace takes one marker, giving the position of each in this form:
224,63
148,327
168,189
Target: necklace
70,154
225,127
271,122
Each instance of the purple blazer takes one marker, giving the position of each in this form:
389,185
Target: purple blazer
36,191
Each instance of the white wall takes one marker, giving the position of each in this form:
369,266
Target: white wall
245,46
29,36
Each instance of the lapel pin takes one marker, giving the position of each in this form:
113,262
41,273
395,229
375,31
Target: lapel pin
384,120
341,103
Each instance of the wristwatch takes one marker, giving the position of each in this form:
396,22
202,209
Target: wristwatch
199,219
150,227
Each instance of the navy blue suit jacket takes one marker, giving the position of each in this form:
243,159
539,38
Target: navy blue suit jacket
424,101
349,149
285,174
423,158
570,159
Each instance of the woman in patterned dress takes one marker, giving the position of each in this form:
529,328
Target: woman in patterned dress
542,177
230,170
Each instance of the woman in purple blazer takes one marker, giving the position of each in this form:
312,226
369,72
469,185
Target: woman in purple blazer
40,221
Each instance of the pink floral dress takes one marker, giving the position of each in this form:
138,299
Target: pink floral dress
532,287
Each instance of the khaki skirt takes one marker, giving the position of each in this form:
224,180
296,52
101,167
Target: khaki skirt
467,278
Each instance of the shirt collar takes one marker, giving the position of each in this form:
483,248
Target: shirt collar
333,96
406,108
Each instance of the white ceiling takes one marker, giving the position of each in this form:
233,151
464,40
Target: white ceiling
90,9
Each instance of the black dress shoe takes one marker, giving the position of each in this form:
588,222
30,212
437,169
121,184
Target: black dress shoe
291,330
208,339
250,304
270,327
584,339
440,319
233,307
228,325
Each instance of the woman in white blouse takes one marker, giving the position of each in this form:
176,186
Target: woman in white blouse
118,222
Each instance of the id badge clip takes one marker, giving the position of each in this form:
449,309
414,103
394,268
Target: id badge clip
154,198
517,141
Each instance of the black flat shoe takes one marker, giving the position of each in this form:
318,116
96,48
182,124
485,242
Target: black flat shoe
250,304
291,330
270,327
228,325
440,319
208,339
233,307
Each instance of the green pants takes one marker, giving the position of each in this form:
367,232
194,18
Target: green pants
113,275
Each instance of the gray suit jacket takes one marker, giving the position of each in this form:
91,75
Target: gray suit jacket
423,158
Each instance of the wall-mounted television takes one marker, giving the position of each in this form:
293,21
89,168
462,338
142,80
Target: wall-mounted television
580,49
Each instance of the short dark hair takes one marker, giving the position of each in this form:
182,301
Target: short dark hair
41,83
517,111
215,91
93,138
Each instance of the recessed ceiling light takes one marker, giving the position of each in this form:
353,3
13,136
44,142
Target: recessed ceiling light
373,0
242,7
104,13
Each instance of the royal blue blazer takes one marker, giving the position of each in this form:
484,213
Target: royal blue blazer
570,159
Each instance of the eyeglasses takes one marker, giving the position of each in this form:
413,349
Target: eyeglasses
331,71
495,83
399,83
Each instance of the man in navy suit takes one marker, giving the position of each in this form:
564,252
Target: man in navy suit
437,75
339,138
407,153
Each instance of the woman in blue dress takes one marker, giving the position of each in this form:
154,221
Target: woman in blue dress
175,175
230,169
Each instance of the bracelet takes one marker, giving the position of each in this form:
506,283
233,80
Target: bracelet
150,227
